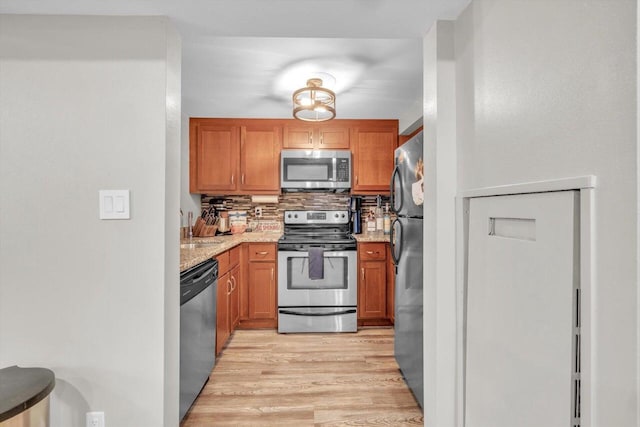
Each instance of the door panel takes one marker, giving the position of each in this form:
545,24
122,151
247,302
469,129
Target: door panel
262,290
260,158
520,310
408,348
217,157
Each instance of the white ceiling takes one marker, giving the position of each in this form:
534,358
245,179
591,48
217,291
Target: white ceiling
244,58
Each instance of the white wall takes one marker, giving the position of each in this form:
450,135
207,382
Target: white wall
188,201
440,352
546,90
91,103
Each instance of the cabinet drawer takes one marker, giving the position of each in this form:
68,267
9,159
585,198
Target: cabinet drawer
234,256
372,251
262,252
223,263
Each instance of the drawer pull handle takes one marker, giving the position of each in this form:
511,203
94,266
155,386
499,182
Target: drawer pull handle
262,253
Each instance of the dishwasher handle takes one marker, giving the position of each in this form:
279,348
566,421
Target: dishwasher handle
197,279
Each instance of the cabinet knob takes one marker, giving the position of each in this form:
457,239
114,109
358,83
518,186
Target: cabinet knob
362,270
232,177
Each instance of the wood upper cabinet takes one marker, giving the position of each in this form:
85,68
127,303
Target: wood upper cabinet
232,156
372,145
372,281
316,136
242,156
213,157
260,158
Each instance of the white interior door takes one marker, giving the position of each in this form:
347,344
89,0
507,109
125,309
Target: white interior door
521,310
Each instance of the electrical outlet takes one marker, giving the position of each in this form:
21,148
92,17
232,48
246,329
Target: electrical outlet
258,212
95,419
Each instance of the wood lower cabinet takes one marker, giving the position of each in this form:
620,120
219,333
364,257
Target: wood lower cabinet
228,304
232,156
391,287
261,287
223,327
372,284
316,136
372,145
234,297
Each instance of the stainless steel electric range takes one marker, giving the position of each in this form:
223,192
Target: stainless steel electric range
317,273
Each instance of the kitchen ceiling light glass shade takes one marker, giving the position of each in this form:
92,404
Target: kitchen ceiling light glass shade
314,103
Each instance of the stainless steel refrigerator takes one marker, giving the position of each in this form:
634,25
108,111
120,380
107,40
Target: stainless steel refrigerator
407,199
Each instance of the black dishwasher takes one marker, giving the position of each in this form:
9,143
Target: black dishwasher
198,290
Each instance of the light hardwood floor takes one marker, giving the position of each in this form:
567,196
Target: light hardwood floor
264,378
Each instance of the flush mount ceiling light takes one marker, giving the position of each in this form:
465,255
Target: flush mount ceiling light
314,103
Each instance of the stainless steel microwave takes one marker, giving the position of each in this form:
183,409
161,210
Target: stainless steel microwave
315,170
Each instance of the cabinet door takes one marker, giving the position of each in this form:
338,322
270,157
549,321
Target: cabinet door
373,158
298,136
391,285
234,298
262,290
372,290
260,158
522,310
222,312
333,137
316,136
214,164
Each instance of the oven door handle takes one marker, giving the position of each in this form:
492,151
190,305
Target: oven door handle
328,313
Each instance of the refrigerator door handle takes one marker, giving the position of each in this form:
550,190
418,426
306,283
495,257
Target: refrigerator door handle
392,241
392,193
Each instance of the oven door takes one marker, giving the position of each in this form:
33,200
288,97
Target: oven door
337,288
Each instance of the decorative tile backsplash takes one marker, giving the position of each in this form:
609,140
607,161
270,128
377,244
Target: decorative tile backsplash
288,201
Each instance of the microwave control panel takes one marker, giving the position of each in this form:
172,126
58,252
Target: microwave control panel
342,170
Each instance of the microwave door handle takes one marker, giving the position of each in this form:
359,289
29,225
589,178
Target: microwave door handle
335,169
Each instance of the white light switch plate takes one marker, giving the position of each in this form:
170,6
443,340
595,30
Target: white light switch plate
114,204
95,419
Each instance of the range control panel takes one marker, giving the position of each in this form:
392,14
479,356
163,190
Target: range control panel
316,217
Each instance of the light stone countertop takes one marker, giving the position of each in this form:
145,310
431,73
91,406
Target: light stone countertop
372,237
209,247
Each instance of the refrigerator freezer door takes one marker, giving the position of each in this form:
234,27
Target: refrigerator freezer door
408,297
521,305
407,187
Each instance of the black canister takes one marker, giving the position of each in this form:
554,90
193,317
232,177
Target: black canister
355,206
